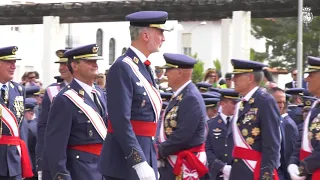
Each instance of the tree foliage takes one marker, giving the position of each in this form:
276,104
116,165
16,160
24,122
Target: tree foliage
217,64
281,40
198,69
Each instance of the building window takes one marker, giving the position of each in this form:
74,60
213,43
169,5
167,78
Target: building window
99,39
15,28
124,50
186,43
187,51
112,51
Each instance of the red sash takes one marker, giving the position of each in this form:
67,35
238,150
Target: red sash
249,154
89,148
25,161
140,128
316,173
191,161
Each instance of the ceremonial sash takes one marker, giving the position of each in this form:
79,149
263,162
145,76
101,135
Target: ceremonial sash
152,92
89,148
306,147
52,91
91,114
9,119
244,151
191,166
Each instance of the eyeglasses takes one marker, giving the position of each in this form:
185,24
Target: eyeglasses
100,77
32,77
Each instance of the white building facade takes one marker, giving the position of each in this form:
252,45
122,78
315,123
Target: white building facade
222,39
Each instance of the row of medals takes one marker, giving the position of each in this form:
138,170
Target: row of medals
315,125
170,121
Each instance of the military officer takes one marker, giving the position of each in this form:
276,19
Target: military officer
132,120
289,130
74,140
296,99
258,151
50,92
29,116
203,86
212,106
307,102
219,143
183,132
304,162
160,79
14,162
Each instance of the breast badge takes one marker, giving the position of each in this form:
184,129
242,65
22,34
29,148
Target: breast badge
216,132
250,115
250,140
168,131
255,131
19,107
244,132
173,123
251,100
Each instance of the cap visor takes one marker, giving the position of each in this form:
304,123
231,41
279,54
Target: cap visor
311,70
162,27
165,67
238,72
11,59
92,58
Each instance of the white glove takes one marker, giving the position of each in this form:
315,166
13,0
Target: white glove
158,175
144,171
39,175
293,170
160,163
226,172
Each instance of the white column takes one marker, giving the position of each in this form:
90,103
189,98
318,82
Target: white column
53,39
226,46
241,30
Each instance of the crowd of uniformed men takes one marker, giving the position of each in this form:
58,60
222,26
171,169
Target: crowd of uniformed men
131,131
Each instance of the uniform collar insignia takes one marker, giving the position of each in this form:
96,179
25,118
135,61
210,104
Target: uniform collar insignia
11,85
81,92
135,60
251,100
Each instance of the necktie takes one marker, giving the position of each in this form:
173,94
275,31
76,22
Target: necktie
96,100
228,122
4,94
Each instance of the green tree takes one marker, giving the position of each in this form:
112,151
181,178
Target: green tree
281,39
198,69
258,56
217,64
